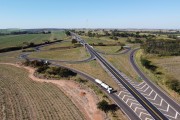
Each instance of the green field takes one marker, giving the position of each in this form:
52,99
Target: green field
18,40
58,45
73,54
108,49
122,63
21,98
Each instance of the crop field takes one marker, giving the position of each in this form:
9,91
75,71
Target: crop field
105,40
58,45
59,35
170,65
11,57
22,98
91,40
72,54
17,40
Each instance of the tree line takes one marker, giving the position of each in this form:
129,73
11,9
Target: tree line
162,47
25,32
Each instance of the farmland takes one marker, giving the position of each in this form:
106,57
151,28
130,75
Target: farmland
19,40
22,98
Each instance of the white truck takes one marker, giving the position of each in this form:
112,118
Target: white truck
109,89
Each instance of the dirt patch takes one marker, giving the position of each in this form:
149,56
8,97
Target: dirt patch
82,97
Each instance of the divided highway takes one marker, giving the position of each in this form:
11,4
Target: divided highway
155,113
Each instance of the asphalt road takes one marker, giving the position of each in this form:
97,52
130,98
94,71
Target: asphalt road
156,114
175,105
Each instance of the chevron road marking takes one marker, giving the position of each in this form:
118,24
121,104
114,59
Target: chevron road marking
131,100
135,104
143,113
148,119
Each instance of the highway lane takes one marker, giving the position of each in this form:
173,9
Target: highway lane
158,90
156,114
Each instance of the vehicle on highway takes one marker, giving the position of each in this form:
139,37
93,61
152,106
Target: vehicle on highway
104,85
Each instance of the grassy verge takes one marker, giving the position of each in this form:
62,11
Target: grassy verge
73,54
122,63
159,79
108,49
94,69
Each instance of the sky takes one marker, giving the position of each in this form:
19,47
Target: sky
150,14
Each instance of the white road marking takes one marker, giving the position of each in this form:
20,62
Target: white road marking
143,113
134,104
134,100
127,96
146,89
143,86
139,108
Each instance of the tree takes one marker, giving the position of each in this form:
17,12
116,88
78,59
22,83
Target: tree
67,33
103,105
74,41
89,34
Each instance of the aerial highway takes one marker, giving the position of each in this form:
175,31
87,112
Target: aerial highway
155,113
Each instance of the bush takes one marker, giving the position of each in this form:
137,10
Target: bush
147,64
35,63
103,105
174,84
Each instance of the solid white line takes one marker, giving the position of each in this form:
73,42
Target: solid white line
141,83
161,101
155,96
146,89
151,92
168,108
176,115
143,86
119,93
